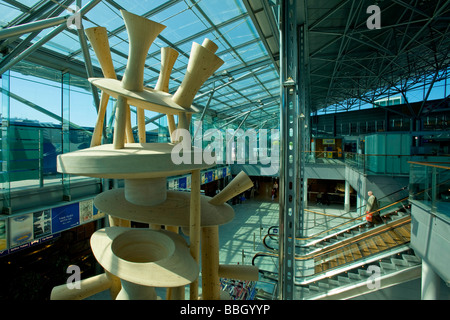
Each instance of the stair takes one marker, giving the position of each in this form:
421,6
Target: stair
350,231
341,270
347,231
352,260
347,252
389,271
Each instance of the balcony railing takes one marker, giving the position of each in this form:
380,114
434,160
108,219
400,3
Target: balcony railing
430,185
373,164
378,164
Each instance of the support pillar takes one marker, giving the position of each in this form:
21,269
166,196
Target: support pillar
293,107
430,283
347,197
305,192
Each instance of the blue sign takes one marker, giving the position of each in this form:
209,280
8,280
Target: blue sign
182,183
65,217
209,176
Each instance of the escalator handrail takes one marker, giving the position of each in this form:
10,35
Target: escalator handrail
382,229
388,195
403,188
370,233
342,215
354,219
332,228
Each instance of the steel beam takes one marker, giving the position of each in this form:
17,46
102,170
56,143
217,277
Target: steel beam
24,43
48,37
32,26
290,151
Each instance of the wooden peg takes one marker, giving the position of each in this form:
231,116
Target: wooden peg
202,64
141,34
98,37
87,288
168,59
239,184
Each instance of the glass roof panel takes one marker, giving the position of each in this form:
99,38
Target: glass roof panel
118,60
251,52
182,21
29,3
219,11
65,43
104,15
238,32
142,6
225,22
267,73
230,59
9,13
120,41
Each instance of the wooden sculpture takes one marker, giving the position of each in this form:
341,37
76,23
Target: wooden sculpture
175,211
146,258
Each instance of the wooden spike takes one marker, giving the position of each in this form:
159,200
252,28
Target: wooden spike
238,185
88,287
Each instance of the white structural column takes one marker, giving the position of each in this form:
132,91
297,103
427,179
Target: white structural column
347,197
430,282
305,192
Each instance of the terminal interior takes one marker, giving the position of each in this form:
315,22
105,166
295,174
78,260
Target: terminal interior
309,107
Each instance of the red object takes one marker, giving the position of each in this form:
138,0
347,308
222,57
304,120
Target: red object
368,216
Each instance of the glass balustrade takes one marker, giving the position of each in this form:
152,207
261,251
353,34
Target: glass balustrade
430,185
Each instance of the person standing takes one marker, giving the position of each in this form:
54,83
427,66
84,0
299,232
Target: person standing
372,213
275,186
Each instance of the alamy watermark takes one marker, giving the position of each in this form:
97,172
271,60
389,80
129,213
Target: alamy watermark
374,21
228,147
74,21
73,281
373,282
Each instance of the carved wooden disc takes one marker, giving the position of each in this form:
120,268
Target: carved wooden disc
155,258
175,211
134,161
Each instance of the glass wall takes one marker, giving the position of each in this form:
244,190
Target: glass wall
44,113
430,185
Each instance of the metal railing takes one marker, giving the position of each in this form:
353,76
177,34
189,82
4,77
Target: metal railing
372,164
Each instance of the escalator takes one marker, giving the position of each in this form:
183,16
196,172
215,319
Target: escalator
347,229
347,269
350,261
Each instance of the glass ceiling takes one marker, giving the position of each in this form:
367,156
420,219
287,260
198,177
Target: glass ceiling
247,81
